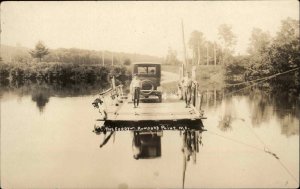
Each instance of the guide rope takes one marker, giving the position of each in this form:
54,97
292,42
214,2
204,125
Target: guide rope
264,78
266,148
258,148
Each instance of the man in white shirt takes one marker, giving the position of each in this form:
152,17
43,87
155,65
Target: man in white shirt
135,88
186,84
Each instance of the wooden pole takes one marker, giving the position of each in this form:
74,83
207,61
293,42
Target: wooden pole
194,92
112,59
184,49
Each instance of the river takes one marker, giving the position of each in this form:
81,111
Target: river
252,140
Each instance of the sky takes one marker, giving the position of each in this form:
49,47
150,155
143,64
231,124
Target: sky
137,27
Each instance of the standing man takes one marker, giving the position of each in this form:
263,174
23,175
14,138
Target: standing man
135,89
187,89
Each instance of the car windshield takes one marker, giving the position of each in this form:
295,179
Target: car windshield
147,70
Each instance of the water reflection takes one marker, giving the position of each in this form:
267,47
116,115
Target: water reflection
146,140
191,139
226,118
41,92
146,144
48,155
277,100
267,102
41,98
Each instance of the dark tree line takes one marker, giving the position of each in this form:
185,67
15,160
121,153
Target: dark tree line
60,72
270,55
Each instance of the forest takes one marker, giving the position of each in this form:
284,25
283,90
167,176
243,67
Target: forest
266,55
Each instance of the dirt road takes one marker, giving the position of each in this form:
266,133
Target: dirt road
168,77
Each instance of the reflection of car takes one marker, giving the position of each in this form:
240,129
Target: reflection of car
149,144
150,75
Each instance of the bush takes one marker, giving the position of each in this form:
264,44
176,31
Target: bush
60,72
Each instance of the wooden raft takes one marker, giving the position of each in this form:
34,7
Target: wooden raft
174,111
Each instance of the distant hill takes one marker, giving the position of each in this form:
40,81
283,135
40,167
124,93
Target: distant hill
8,53
11,53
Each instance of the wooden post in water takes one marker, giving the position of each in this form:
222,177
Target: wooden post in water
195,89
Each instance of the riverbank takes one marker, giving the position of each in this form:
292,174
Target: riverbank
61,72
209,77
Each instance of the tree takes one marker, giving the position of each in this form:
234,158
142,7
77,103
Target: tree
258,50
226,36
127,62
40,51
274,55
172,57
228,40
285,50
197,45
260,41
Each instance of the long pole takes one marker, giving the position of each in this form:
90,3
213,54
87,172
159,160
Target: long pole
184,49
184,170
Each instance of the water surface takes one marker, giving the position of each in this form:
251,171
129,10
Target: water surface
47,142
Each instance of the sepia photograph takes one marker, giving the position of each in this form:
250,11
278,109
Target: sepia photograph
149,94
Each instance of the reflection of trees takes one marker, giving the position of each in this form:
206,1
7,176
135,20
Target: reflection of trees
212,97
286,105
261,109
285,96
41,97
42,91
280,98
227,116
289,125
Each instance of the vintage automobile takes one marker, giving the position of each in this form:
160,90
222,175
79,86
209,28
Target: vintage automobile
150,75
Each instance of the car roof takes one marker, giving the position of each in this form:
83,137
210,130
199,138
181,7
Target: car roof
154,63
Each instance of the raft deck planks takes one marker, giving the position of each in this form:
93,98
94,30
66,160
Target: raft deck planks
153,112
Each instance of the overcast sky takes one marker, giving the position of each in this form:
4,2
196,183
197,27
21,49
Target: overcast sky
136,27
